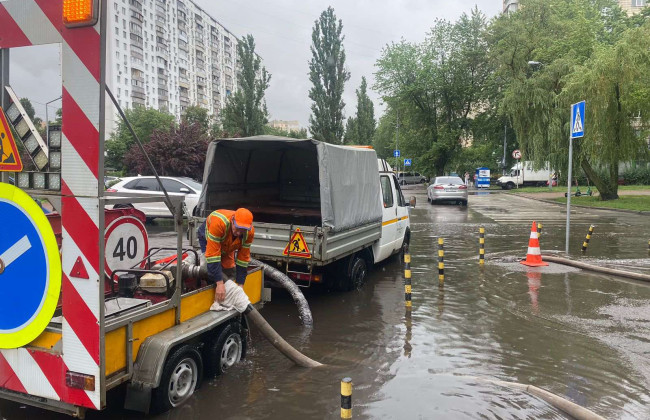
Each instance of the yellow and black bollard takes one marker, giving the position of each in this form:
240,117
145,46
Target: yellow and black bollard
585,244
346,398
441,261
539,230
407,281
481,245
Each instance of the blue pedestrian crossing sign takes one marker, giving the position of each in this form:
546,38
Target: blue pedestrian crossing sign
407,162
396,153
578,120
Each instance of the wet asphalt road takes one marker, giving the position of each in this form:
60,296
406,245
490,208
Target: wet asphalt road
580,335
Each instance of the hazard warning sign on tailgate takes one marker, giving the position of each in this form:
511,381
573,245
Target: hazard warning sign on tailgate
297,246
9,157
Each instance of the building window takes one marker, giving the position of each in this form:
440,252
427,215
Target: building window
638,3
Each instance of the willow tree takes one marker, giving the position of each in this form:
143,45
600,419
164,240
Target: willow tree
553,53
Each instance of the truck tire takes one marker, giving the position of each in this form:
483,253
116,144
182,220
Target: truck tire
181,376
509,185
226,349
351,273
358,272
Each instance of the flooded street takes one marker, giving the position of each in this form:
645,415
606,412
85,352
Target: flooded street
580,335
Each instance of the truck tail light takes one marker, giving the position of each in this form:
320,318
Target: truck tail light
80,381
78,13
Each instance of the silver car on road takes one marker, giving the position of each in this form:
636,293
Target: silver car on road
447,188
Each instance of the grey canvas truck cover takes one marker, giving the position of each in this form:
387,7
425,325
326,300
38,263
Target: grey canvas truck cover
331,193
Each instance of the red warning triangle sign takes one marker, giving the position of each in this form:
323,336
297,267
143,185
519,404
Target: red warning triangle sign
297,246
9,157
79,270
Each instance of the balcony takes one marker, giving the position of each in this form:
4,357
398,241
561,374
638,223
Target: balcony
136,4
181,6
138,92
162,52
160,10
137,17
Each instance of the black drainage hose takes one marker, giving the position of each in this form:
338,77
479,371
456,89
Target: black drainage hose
278,342
304,313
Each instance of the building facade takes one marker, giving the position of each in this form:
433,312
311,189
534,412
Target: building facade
510,6
285,125
168,55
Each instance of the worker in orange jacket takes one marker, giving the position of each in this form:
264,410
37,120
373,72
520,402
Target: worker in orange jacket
224,233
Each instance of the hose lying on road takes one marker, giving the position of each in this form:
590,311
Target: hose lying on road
598,269
278,342
304,313
574,410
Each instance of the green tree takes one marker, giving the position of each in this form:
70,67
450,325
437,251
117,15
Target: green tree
365,118
245,112
197,115
439,86
328,75
553,53
144,122
351,131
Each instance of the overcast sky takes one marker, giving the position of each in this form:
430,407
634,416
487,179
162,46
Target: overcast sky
282,31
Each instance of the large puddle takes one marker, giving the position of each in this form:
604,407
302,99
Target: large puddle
582,336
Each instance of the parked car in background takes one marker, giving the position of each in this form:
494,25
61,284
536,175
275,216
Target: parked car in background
110,181
148,185
447,188
406,178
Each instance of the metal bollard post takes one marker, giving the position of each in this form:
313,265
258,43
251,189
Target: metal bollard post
481,242
407,281
586,242
346,398
441,261
539,230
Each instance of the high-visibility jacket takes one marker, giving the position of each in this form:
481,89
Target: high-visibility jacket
222,245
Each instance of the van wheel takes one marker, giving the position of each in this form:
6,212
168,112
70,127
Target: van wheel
358,272
181,376
226,350
509,185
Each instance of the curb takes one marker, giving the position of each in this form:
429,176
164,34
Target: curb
642,212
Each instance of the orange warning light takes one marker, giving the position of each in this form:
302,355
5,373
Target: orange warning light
78,13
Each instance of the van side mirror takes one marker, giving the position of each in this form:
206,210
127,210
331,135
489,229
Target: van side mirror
412,201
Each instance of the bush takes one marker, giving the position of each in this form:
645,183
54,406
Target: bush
637,176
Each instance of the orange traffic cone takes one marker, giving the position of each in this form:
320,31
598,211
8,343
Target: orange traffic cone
534,255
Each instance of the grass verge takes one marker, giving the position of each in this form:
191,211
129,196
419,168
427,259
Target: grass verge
583,189
625,202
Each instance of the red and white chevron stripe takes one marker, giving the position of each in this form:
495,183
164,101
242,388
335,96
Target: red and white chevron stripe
34,22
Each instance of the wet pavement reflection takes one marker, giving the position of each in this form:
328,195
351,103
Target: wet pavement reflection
580,335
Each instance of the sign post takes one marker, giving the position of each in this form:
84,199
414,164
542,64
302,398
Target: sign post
577,131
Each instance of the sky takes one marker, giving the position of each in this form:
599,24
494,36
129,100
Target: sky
282,31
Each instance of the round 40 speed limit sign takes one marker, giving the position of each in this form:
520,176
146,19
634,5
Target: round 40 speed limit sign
126,244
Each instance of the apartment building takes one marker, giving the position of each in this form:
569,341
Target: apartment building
285,125
510,6
168,55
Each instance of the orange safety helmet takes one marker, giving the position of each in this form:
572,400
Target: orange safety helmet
243,219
